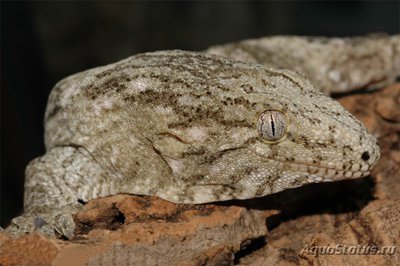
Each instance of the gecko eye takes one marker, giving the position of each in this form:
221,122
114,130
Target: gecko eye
272,125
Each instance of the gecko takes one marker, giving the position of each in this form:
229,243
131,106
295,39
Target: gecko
199,127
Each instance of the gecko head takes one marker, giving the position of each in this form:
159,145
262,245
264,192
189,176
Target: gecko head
251,131
273,131
308,137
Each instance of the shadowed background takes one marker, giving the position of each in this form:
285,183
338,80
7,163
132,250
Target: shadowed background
43,42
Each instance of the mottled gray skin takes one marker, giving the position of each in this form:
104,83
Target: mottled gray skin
333,65
183,126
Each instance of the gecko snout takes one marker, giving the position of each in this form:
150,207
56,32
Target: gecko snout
371,153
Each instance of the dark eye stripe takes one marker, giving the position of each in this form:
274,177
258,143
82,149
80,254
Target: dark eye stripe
272,125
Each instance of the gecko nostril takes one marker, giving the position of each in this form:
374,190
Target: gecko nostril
365,156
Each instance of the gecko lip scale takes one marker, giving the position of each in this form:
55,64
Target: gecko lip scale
318,173
328,171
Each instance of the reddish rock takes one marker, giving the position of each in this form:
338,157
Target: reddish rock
141,230
30,249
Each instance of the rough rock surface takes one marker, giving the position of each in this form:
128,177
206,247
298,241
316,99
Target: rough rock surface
136,230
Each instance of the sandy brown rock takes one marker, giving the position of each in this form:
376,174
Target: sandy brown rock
125,229
377,226
134,230
31,249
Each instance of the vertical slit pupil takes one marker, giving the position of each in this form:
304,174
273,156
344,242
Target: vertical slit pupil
272,125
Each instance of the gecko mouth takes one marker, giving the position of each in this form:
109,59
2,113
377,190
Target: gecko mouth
325,171
325,174
330,172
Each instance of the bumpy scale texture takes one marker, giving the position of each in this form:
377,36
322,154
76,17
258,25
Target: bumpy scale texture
184,126
334,65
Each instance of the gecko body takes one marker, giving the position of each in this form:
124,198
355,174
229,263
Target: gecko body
190,128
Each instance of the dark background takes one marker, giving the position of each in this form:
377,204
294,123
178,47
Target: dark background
42,42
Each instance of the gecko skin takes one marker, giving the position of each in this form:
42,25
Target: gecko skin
190,128
333,65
